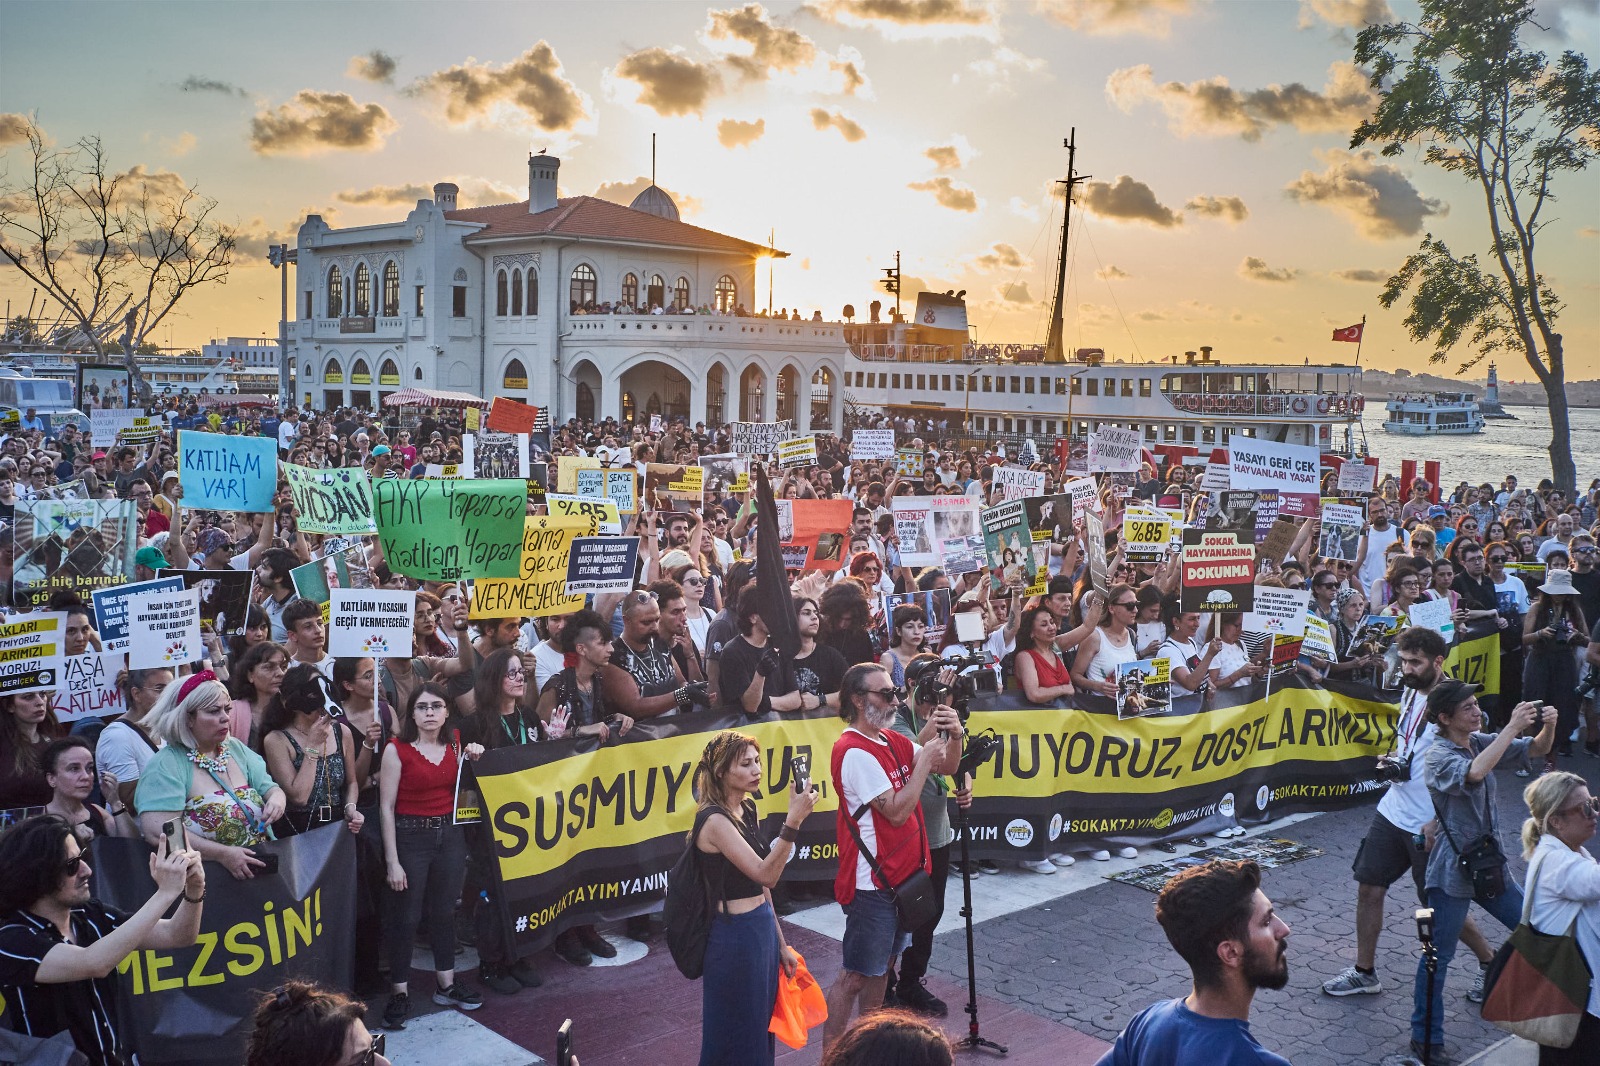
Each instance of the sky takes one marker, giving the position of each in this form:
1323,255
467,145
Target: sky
1224,205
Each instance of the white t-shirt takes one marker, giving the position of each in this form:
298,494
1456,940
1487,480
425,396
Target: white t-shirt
1406,803
1229,658
998,646
1378,540
864,780
288,433
547,663
1514,587
121,751
1178,653
1554,544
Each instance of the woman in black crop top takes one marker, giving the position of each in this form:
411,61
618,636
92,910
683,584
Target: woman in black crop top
746,947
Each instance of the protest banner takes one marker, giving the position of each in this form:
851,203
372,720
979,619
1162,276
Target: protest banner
601,510
89,687
196,1005
1049,518
798,451
601,564
1094,536
1008,545
909,462
963,555
510,416
72,546
758,438
448,530
1218,571
542,588
1340,536
820,527
1434,615
1085,495
673,487
1018,482
727,473
370,622
495,455
1144,539
1144,686
619,486
337,500
1279,612
567,467
111,608
924,522
1114,450
934,605
871,444
1294,470
164,630
224,597
226,473
1357,479
31,652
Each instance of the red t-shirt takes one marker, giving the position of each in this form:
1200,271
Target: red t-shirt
426,790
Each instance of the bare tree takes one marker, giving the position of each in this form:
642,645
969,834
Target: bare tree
117,251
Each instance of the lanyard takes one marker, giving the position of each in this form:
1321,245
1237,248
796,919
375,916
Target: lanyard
1407,734
521,735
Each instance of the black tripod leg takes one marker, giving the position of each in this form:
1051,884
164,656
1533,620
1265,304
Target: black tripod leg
974,1038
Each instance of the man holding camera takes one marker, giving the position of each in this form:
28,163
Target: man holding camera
1403,827
878,776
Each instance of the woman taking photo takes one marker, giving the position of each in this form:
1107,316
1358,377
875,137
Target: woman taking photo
125,746
219,787
1461,784
1041,673
1554,626
311,754
27,725
256,681
746,946
423,850
69,767
1564,889
907,633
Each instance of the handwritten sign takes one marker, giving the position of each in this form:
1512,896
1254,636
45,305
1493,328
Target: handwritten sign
601,564
758,438
336,501
800,451
370,622
89,686
111,608
542,588
567,467
1357,478
1018,483
872,444
619,486
511,416
222,473
31,652
1114,450
448,530
165,630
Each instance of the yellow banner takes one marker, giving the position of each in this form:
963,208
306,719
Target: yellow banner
541,590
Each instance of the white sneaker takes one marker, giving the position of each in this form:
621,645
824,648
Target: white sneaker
1061,858
1042,866
1128,853
1100,856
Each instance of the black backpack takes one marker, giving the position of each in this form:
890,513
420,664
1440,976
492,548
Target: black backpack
688,909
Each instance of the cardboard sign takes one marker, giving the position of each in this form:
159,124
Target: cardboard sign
336,501
725,474
759,438
619,486
1278,611
1017,482
800,451
1144,687
601,510
1340,536
31,652
1008,544
510,416
223,473
671,487
1114,450
872,444
601,564
924,522
164,630
495,455
1294,470
1356,478
567,467
1434,615
370,622
111,608
542,588
1085,494
448,530
1218,571
89,687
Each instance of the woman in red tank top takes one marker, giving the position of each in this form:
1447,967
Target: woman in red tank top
1044,678
423,849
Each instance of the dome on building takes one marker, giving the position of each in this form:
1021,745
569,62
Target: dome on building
655,201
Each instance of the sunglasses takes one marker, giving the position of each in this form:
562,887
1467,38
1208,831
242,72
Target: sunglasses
70,867
1327,584
1590,809
894,692
1497,558
1129,604
374,1049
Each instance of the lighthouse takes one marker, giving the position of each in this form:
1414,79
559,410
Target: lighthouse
1489,406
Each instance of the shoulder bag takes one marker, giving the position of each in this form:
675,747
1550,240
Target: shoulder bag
1481,862
914,898
1537,987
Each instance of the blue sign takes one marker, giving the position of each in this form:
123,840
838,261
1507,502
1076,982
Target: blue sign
223,473
111,608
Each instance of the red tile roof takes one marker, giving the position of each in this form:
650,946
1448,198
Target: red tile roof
589,216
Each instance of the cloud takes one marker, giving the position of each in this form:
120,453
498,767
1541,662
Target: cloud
385,195
732,133
1152,18
533,83
1230,208
624,192
194,83
771,47
849,70
948,193
318,122
944,156
908,18
1112,272
1128,201
1376,196
180,145
376,65
670,83
14,128
848,128
1001,255
157,184
1587,231
1362,275
997,71
1344,13
1016,293
1022,209
1256,269
1212,108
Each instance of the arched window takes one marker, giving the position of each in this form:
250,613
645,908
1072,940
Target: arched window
583,286
360,373
500,294
516,376
585,402
417,373
727,294
363,293
335,292
389,374
656,294
533,292
391,289
516,293
628,407
680,294
630,289
333,373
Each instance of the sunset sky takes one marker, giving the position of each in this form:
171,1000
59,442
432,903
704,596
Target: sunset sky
1225,206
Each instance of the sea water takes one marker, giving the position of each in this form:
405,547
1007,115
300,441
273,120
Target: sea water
1519,447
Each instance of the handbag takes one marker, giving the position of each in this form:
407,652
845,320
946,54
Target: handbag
800,1006
1482,863
914,898
1537,987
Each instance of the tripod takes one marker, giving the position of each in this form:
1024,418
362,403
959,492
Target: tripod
1430,957
973,1039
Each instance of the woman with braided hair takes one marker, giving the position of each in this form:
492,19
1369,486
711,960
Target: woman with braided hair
746,946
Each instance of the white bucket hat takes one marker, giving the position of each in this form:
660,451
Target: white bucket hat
1558,583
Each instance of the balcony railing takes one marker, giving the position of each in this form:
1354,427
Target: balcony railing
1308,405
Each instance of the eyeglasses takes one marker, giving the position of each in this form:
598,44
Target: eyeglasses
694,581
1497,558
1327,584
70,866
894,692
1586,551
1591,809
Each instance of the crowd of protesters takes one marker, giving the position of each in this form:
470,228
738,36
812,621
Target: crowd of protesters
270,737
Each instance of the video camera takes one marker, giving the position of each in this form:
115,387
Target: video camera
922,678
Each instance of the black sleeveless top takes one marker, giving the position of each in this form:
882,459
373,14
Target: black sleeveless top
727,880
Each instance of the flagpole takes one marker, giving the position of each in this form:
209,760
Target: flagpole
1359,338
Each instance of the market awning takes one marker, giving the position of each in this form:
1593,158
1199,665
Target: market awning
433,398
235,399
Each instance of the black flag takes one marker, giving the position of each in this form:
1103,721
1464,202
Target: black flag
772,581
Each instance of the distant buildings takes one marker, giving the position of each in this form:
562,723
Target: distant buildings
258,352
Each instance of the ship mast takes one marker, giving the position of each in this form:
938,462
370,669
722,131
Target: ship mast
1055,345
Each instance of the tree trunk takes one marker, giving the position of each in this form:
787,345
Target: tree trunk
1562,469
137,385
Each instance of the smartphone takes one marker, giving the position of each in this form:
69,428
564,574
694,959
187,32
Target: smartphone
175,835
801,765
969,626
271,860
564,1044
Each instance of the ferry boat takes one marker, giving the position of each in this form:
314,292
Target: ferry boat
1438,414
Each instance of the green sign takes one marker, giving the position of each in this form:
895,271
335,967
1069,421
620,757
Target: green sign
447,530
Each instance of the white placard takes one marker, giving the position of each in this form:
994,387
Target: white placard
924,523
164,630
89,686
1434,615
1278,611
1113,450
1085,495
799,451
1357,478
872,444
366,623
1017,483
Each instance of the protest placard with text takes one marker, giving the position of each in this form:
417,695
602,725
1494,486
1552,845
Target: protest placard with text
601,510
758,438
111,608
337,500
619,486
1114,450
1018,482
1294,470
601,564
541,590
225,473
164,630
1218,570
31,652
448,530
89,687
370,622
1356,478
798,451
510,416
872,444
1278,611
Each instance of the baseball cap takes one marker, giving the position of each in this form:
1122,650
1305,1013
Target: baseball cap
1447,695
210,540
382,449
151,558
1437,512
98,455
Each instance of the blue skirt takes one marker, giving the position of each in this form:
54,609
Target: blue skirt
739,989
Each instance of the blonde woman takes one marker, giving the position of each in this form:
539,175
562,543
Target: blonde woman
1564,888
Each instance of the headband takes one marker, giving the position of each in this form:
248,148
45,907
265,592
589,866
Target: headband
194,681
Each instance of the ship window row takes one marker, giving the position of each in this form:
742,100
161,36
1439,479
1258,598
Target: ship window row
1019,384
1153,433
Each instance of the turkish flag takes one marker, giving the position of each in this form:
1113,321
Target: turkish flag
1350,333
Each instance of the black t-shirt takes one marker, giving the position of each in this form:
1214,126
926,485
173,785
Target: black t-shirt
821,673
739,659
653,669
86,1009
1476,595
1588,586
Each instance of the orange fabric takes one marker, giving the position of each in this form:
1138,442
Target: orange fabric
800,1007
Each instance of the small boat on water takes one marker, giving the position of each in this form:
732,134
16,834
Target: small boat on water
1438,414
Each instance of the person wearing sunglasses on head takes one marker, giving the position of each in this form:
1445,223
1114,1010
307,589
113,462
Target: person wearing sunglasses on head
311,1026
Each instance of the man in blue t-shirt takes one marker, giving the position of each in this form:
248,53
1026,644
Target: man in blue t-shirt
1218,919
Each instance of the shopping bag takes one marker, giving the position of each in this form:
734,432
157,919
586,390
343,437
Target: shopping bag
800,1007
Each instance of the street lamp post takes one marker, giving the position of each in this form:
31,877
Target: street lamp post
280,256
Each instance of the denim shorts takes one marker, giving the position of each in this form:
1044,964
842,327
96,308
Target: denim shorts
872,933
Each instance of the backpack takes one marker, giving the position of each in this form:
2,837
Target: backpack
688,909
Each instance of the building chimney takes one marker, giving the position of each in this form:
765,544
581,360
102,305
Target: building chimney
444,194
542,172
1205,353
1188,357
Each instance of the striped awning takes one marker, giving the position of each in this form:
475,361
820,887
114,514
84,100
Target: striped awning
433,398
235,399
